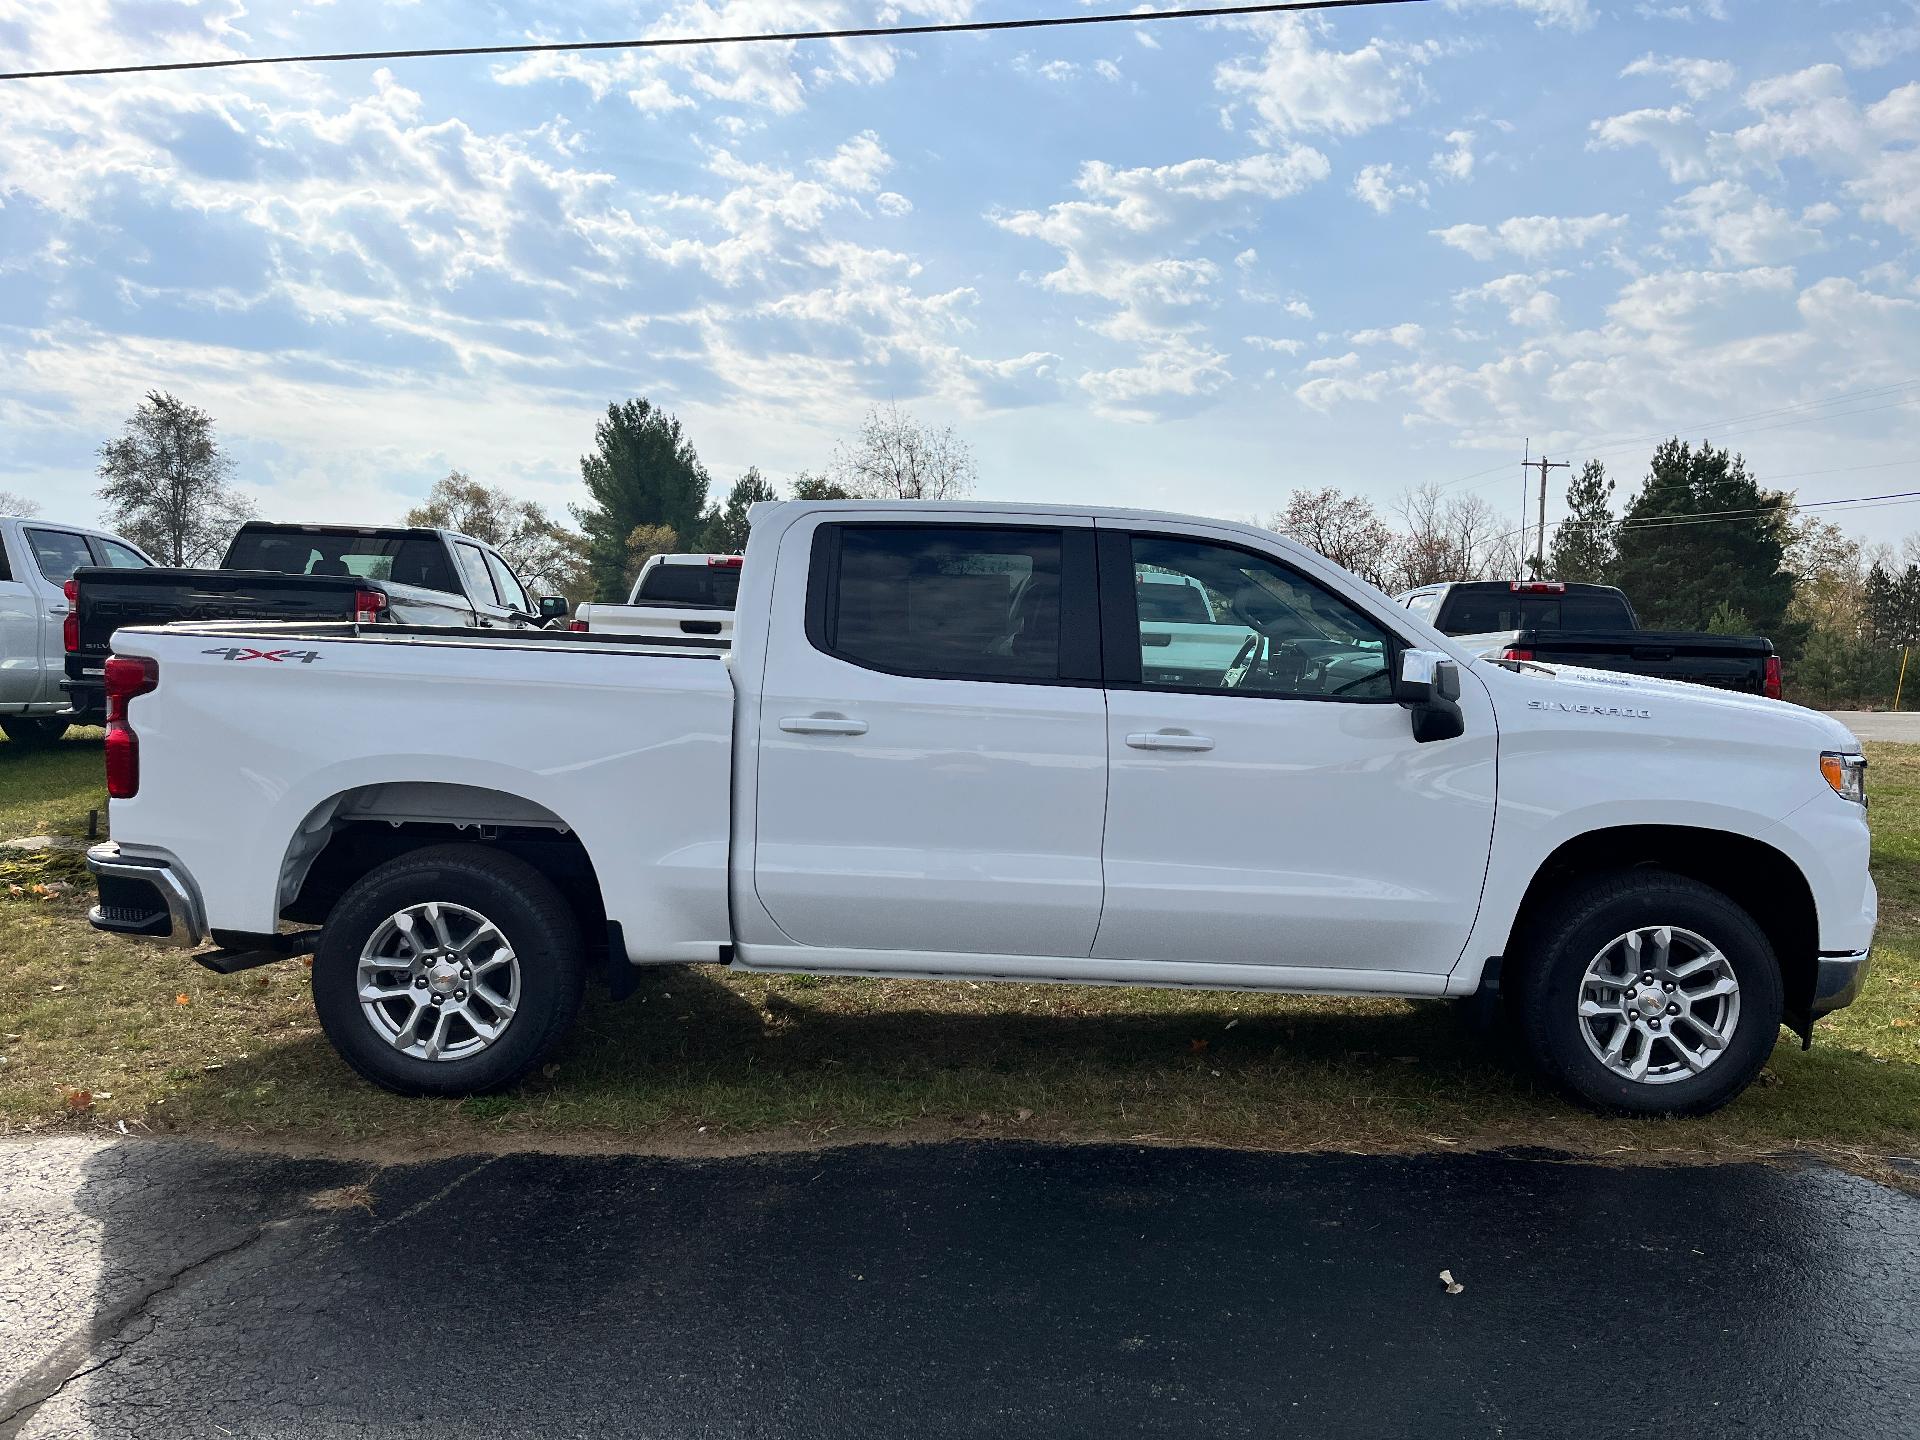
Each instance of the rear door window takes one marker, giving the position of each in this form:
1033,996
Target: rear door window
950,602
120,557
58,553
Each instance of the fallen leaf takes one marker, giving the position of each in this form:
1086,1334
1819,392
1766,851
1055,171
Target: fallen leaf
1454,1287
1232,1023
181,1000
1023,1115
58,988
79,1101
1902,1024
1198,1045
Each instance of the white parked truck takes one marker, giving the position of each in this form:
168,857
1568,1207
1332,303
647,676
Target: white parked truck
940,748
679,597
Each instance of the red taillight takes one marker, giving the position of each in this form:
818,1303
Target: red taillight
1539,587
126,676
367,605
1513,652
577,626
725,562
1770,686
70,627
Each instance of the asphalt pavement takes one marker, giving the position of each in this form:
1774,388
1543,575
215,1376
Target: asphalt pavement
1902,726
160,1289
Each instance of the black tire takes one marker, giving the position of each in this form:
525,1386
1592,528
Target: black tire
35,732
522,904
1577,926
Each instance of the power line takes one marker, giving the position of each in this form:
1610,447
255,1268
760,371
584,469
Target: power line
963,27
1731,517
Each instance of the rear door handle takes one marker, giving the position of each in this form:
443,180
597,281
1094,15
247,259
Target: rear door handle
1169,740
822,725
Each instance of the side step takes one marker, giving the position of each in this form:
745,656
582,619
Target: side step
240,950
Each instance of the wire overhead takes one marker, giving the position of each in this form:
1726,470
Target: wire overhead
668,42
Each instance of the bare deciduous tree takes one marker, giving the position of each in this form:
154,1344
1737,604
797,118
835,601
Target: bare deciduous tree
1344,528
898,458
166,483
12,504
1452,537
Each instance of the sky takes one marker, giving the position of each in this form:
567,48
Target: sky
1184,265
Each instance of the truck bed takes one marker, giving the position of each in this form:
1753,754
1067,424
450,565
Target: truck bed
1725,662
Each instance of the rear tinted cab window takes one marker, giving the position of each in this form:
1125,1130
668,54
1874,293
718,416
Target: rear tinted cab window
1476,612
948,601
714,586
404,559
58,553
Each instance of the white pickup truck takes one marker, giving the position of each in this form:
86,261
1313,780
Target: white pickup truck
676,597
938,748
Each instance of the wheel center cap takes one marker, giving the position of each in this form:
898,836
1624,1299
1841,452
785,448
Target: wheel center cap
1651,1003
443,978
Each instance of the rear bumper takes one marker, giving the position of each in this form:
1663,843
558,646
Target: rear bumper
1838,981
87,699
145,895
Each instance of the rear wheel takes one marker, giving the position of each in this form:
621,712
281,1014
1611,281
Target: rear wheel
1648,993
450,971
34,731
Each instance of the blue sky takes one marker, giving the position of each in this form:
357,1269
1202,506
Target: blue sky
1186,265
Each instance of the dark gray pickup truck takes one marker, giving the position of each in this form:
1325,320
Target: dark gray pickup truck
1592,626
393,575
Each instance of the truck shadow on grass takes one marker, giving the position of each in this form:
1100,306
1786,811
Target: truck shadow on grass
704,1058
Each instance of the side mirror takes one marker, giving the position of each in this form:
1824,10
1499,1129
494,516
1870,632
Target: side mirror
554,607
1429,686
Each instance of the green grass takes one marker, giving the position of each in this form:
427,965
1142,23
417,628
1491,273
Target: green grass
702,1059
49,792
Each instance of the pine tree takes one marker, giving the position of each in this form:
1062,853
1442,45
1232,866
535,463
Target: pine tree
725,530
1729,548
643,471
1583,543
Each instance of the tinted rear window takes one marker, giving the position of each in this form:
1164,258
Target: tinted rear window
712,585
1171,603
405,560
1474,612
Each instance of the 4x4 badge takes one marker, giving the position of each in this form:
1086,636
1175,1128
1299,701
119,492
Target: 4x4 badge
243,652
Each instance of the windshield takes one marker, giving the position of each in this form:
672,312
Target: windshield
403,559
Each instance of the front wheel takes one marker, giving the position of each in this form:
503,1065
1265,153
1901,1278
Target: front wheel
1648,993
453,970
32,731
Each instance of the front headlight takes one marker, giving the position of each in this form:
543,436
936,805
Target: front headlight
1847,774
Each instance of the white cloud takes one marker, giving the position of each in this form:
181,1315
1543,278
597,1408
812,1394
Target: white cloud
1455,163
1380,187
1571,14
856,165
1742,228
1672,134
1887,40
1527,301
1277,345
1698,78
1407,336
1529,236
892,203
1297,87
1129,242
1298,308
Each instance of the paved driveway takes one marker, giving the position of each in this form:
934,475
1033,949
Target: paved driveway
996,1290
1902,725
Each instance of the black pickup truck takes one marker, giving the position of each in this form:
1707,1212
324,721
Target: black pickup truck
375,574
1557,623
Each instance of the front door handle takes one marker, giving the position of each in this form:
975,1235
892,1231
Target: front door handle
1169,740
822,725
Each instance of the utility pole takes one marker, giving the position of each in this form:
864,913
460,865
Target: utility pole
1543,465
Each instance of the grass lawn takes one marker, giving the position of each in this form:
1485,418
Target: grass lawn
98,1031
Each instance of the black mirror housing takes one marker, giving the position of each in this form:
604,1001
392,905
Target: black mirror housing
1428,685
554,607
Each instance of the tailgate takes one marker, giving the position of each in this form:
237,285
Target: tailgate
1726,662
112,599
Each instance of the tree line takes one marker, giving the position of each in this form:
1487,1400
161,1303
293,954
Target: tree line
1700,545
168,487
